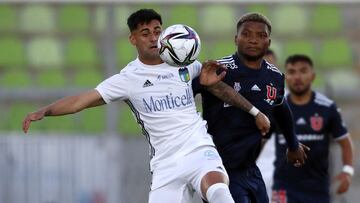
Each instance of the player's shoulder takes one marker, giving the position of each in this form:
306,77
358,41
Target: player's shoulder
130,67
128,73
228,61
225,59
271,68
322,100
195,65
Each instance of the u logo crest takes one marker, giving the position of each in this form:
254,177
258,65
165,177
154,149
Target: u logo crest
270,92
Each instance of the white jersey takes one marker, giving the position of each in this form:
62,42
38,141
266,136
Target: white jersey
265,162
162,101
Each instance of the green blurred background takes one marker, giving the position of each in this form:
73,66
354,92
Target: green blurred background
54,47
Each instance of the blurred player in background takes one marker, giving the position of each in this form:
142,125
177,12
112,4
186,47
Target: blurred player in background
317,121
270,57
183,155
235,134
266,159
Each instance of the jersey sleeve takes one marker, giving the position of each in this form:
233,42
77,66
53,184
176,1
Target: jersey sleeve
337,126
114,88
195,69
281,96
196,86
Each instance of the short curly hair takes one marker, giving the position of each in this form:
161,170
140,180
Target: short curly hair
254,17
142,16
299,58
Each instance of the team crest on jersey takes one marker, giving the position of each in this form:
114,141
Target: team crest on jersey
316,122
279,196
237,86
184,74
270,94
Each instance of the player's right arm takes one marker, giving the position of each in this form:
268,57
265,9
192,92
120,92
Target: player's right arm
212,83
64,106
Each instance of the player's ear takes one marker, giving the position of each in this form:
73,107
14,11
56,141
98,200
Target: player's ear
132,39
313,76
269,42
235,40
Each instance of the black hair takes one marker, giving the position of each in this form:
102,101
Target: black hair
299,57
142,16
255,17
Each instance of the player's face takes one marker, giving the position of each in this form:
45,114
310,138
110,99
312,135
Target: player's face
299,77
252,40
144,38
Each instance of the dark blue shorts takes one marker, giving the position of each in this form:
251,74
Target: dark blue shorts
285,194
247,185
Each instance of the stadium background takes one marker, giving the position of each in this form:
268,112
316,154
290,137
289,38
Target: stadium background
52,49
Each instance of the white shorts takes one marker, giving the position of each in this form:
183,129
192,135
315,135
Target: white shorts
176,182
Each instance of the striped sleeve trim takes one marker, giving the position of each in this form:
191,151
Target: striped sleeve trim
342,137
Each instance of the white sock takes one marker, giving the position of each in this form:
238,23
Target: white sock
219,193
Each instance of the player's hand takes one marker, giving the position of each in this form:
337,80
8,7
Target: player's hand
34,116
263,123
298,156
209,73
345,181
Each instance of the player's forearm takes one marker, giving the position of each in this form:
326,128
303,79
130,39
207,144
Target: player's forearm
347,151
64,106
230,96
73,104
283,116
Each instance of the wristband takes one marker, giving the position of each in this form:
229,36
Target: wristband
348,169
254,111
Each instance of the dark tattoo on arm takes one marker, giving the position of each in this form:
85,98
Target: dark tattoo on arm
229,95
48,113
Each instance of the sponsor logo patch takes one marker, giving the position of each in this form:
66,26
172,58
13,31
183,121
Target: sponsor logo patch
211,155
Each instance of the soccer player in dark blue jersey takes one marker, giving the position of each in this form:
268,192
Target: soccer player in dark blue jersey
234,131
317,121
266,158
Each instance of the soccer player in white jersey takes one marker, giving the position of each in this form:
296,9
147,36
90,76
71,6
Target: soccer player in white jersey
183,155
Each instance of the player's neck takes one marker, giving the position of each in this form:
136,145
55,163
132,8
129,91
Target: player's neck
301,99
152,61
254,64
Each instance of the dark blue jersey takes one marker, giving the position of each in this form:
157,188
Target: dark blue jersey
315,124
234,131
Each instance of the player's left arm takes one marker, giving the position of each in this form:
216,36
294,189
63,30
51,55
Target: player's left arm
345,176
282,114
296,152
211,77
341,135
